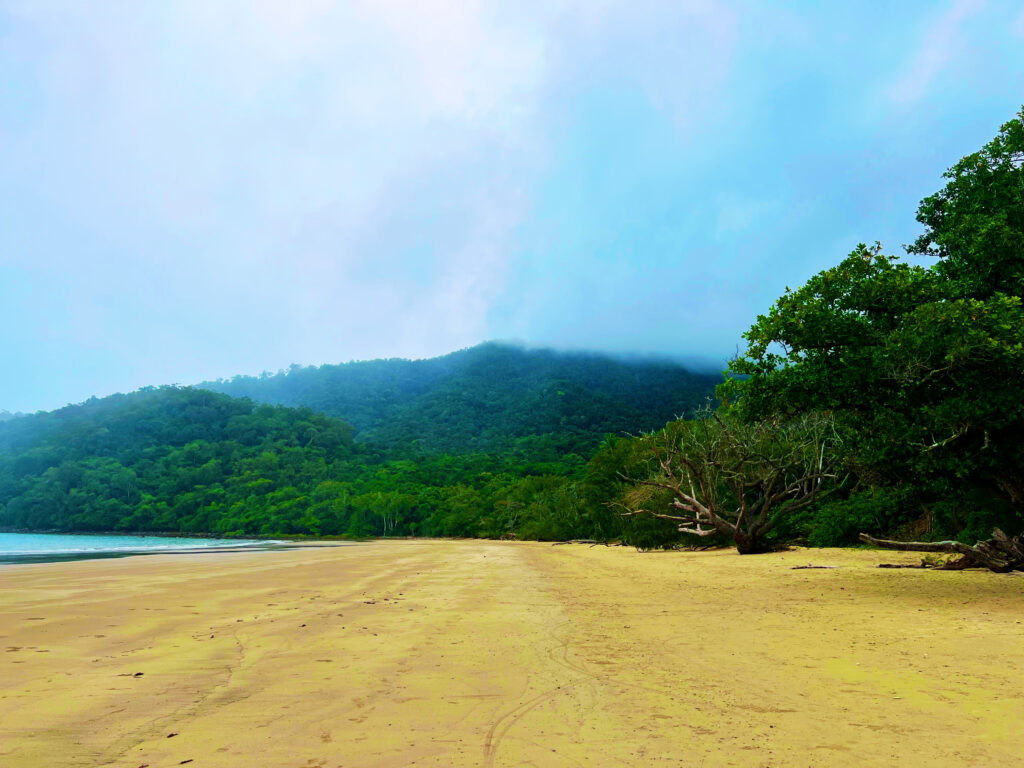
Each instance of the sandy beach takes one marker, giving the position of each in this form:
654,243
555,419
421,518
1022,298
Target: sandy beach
471,653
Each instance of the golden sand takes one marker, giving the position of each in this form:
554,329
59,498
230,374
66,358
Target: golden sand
468,653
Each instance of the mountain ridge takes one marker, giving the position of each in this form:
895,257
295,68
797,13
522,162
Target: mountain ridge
483,398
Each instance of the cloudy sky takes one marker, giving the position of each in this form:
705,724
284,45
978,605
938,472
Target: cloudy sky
191,190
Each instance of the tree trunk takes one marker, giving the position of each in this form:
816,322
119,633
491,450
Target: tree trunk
1001,553
749,545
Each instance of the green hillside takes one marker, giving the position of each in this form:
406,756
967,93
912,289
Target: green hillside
492,397
166,459
190,460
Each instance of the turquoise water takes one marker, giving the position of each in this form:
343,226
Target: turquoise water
50,547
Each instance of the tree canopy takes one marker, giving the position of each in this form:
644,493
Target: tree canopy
492,397
921,367
182,460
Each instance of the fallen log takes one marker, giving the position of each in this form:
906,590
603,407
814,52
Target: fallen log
1001,553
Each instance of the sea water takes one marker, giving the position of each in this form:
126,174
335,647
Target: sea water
50,547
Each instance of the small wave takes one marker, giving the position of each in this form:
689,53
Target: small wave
84,546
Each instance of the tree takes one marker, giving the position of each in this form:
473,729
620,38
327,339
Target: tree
920,367
975,224
721,476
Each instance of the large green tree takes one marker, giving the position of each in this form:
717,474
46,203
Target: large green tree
922,368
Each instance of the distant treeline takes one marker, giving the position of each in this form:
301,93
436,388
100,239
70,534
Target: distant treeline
189,460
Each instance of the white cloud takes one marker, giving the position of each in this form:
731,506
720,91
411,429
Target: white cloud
938,46
679,53
227,127
207,140
245,183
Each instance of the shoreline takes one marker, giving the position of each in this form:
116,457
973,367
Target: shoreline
25,548
30,558
173,535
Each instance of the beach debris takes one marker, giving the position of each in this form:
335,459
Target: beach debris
591,542
902,565
1001,553
138,674
172,734
813,567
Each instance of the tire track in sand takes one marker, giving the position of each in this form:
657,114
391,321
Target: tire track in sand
558,653
500,728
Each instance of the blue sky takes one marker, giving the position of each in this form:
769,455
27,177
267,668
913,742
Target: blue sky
191,190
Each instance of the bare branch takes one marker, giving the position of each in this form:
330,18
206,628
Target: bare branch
741,478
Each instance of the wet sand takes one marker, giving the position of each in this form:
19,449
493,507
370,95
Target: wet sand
467,653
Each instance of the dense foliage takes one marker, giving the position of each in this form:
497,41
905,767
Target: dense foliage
493,397
921,368
195,461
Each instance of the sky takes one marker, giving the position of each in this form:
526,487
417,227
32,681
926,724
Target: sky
192,190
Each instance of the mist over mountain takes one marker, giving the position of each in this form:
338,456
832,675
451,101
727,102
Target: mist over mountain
486,397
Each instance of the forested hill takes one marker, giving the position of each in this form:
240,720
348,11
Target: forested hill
491,397
491,441
164,459
188,460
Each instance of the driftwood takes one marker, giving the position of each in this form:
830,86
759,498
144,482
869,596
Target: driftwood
1001,553
812,567
591,542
